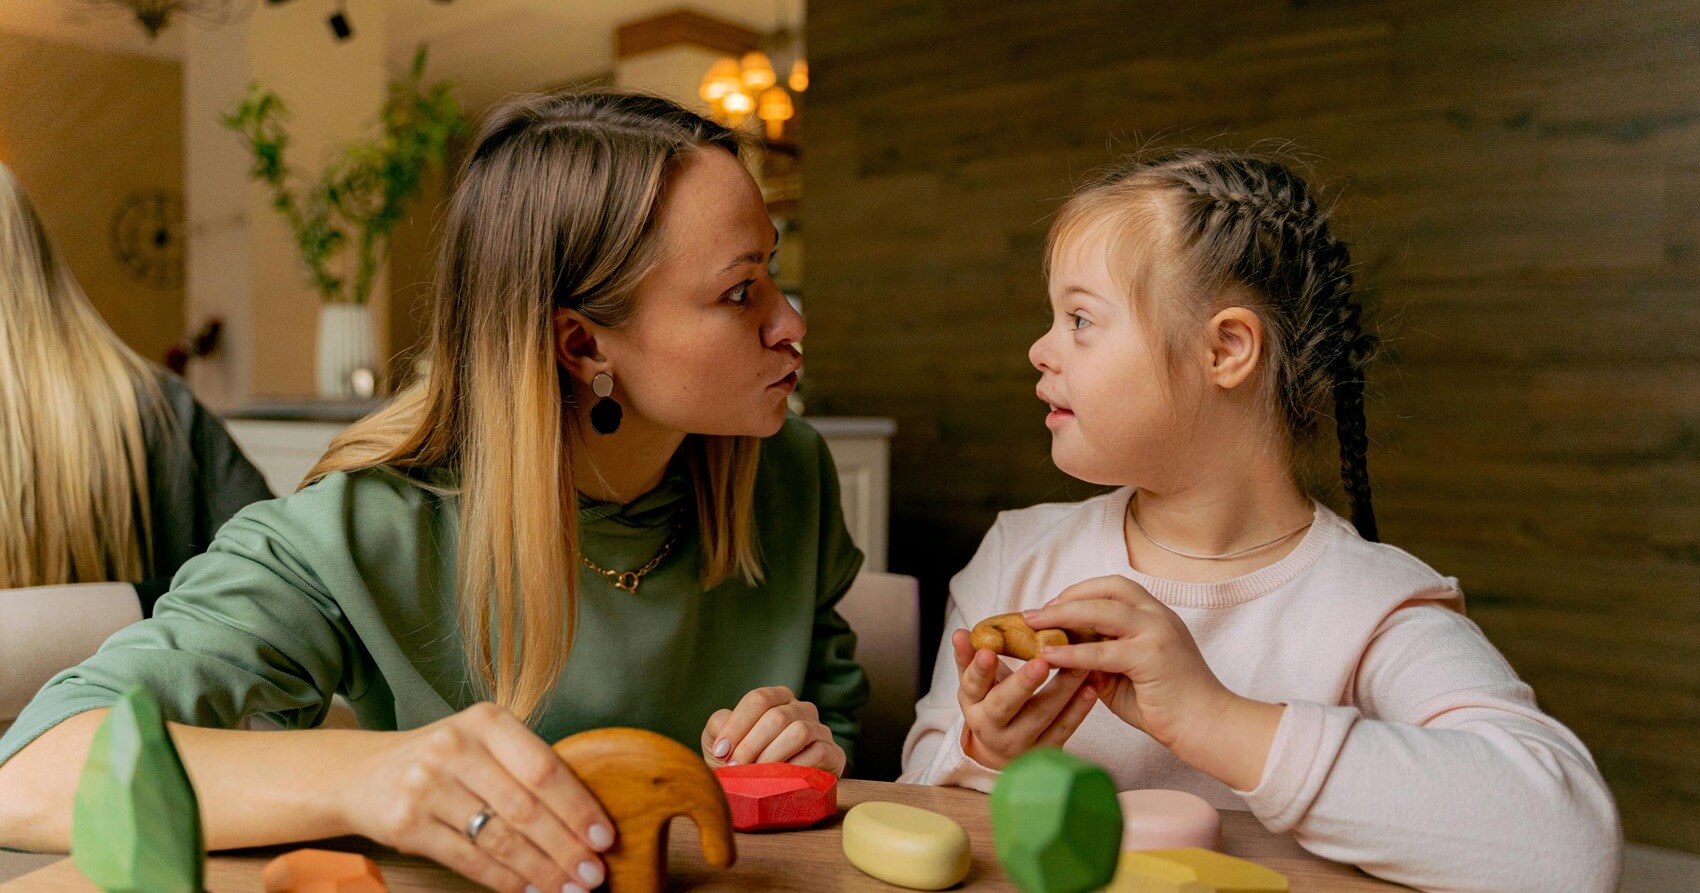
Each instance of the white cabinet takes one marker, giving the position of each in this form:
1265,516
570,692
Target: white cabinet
285,449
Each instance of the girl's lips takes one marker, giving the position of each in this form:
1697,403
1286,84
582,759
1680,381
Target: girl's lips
1058,417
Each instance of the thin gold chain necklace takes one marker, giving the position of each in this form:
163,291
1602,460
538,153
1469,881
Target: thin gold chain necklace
628,581
1134,517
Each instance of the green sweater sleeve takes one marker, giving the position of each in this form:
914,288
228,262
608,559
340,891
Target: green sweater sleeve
249,628
835,683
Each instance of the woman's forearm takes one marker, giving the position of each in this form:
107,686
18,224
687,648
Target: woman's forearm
254,788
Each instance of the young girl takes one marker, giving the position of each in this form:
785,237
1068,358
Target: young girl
595,512
1260,651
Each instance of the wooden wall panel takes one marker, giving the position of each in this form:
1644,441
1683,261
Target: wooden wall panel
1522,185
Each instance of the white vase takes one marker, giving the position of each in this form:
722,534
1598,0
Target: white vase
345,344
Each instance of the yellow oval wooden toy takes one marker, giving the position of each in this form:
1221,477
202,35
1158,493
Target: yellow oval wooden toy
906,845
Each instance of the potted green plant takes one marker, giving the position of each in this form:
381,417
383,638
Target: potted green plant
355,202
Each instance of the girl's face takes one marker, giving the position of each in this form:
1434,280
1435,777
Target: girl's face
712,349
1113,415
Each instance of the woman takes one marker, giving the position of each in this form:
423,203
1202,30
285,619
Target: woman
109,469
572,524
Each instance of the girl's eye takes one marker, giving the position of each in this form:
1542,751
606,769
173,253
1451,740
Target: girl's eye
740,292
1076,322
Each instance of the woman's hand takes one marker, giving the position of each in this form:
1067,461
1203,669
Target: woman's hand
770,725
1149,671
420,791
1005,713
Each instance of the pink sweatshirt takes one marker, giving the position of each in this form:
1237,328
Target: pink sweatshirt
1409,747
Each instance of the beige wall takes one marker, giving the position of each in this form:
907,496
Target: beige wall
83,130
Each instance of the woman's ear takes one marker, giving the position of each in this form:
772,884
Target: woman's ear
575,346
1236,346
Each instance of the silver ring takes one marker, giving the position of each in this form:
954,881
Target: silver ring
477,824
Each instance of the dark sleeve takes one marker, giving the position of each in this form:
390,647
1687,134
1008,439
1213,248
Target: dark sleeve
836,683
197,480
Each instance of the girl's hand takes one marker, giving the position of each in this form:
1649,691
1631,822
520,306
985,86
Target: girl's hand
1149,671
419,791
770,725
1002,716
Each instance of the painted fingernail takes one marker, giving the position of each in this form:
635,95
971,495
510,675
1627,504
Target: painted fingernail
731,762
600,837
571,888
591,873
721,747
532,888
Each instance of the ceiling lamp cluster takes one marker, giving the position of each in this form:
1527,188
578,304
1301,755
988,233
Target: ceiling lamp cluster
736,88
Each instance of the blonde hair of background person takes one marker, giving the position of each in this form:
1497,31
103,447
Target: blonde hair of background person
73,457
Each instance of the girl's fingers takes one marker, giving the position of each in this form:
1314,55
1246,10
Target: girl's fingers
1106,617
1074,713
1043,708
1110,656
1115,588
959,643
979,677
751,708
1005,700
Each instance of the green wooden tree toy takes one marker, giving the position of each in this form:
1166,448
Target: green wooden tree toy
135,824
1057,823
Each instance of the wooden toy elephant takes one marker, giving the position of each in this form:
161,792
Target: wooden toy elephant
643,781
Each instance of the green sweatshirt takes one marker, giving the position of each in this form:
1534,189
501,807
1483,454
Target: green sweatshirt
347,587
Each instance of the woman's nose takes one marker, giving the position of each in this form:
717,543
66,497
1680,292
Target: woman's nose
787,326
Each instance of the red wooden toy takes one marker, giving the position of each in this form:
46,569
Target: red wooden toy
778,796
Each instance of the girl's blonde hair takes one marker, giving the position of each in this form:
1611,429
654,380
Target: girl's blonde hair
74,504
555,208
1221,229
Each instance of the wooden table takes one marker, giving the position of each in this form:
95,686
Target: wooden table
811,860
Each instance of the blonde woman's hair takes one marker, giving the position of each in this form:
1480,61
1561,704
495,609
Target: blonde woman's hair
555,208
74,502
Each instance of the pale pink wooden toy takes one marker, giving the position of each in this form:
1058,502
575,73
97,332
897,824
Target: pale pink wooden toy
1168,820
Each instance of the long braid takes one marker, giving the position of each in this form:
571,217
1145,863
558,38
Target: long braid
1250,221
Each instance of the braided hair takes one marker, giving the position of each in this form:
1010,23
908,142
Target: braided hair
1247,230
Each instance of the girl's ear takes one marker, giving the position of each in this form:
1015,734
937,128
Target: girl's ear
575,346
1236,346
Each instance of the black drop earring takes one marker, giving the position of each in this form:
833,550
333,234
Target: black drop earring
605,414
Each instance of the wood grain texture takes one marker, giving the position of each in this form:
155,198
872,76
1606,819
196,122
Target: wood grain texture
1521,186
810,860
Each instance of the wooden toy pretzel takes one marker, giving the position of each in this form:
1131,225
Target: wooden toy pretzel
1009,634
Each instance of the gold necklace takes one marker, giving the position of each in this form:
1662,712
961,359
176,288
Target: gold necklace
1134,517
628,581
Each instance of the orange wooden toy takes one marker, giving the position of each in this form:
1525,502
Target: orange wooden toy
323,871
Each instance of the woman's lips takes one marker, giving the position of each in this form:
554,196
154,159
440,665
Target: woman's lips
786,384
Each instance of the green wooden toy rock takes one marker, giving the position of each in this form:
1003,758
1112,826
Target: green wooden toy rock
135,825
1057,823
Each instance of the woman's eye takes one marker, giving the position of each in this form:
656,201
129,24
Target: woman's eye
740,292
